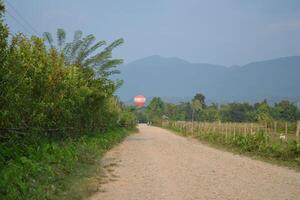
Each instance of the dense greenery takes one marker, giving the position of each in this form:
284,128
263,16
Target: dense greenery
40,168
38,91
197,110
52,101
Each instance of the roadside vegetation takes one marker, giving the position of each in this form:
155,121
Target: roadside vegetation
58,110
250,139
41,169
269,132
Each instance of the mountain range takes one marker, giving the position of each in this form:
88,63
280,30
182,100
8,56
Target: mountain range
176,79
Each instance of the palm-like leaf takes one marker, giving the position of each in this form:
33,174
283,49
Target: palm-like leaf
61,37
86,42
97,59
77,36
81,52
115,44
88,51
109,67
48,37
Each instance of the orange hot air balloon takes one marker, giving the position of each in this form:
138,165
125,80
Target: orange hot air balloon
139,100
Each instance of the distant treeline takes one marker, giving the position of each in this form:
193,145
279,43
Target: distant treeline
198,110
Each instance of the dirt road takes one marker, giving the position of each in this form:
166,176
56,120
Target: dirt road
156,164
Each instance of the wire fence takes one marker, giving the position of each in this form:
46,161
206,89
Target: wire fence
279,130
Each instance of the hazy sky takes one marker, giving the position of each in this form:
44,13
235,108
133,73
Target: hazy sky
225,32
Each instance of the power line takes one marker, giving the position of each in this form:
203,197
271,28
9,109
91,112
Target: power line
16,19
21,17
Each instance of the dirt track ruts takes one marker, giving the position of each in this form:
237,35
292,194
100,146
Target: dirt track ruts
156,164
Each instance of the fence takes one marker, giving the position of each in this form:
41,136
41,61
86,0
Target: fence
274,129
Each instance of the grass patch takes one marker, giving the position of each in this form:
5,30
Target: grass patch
53,169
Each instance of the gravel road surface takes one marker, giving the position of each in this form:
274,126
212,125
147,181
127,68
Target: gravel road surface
156,164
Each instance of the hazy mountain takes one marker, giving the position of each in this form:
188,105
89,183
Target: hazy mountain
174,78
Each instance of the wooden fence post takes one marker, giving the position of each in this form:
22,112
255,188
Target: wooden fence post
226,132
298,130
192,126
275,127
234,131
266,127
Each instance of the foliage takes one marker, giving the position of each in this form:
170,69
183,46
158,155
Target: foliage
263,112
128,119
39,91
201,98
82,52
38,167
141,115
235,112
155,109
197,110
285,110
196,107
210,114
3,37
50,99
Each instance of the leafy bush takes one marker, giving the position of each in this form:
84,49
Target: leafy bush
39,92
128,120
48,105
39,168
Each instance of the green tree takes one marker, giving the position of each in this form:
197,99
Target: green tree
155,109
44,100
263,112
201,98
173,112
286,111
210,113
3,36
196,106
236,112
185,110
3,64
39,91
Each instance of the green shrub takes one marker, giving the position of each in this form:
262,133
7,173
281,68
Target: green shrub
127,119
38,170
47,107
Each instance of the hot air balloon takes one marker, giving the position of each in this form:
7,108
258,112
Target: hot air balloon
139,100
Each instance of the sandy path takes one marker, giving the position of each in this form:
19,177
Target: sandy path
156,164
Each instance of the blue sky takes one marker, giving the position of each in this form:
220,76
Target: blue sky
228,32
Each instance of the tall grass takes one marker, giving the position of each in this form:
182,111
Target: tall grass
38,168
